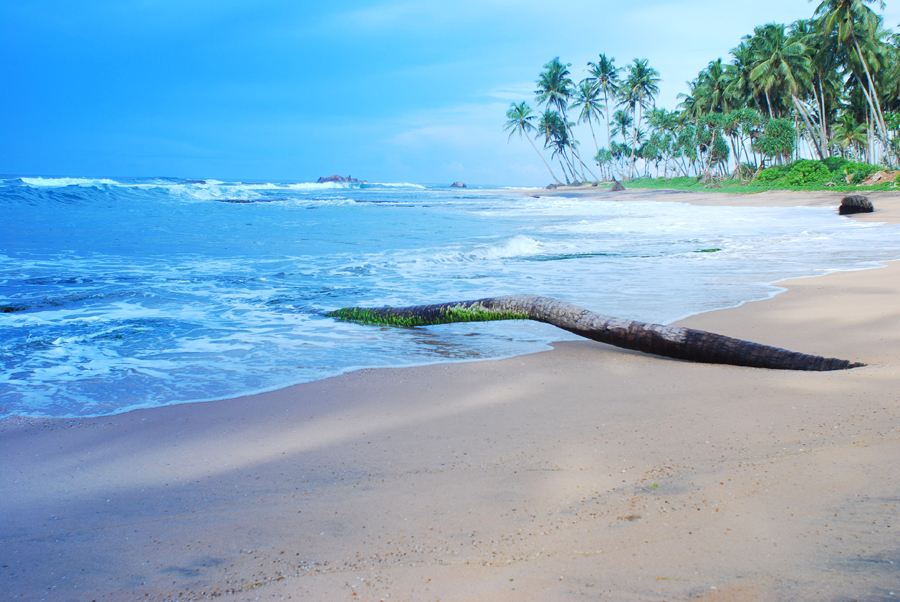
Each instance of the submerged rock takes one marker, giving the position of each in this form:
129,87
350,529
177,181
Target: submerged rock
855,204
457,185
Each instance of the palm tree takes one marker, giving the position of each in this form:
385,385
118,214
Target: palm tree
554,86
623,123
640,88
554,90
848,133
710,93
519,118
781,64
827,58
605,75
668,341
586,98
846,18
739,86
552,128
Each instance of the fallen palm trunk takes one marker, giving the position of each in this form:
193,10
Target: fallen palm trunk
668,341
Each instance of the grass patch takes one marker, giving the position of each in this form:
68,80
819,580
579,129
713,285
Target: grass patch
804,175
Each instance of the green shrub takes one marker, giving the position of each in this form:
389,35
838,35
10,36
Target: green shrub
805,172
839,177
773,173
835,164
859,171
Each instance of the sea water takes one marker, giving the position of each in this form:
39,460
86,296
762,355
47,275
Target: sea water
126,293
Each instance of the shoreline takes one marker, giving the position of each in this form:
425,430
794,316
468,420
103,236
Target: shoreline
887,211
887,203
583,471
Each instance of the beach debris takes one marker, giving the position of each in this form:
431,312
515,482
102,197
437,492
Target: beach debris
668,341
855,203
341,180
617,186
457,185
880,177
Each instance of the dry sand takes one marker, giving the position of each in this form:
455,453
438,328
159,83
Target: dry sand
582,473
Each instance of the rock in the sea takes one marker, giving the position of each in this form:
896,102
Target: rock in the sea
457,185
855,204
341,180
617,186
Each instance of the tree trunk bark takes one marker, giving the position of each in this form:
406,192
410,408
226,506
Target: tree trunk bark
809,126
543,159
871,87
668,341
822,121
608,116
563,167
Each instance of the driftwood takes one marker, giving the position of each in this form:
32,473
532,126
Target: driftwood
668,341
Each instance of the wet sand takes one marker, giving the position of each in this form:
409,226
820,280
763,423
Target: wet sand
583,473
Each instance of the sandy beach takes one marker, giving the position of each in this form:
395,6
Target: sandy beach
582,473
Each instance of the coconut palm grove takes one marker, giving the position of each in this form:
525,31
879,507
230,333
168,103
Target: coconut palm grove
812,104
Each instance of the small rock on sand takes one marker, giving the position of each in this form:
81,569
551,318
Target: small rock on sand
855,204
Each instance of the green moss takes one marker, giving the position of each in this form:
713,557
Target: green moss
708,251
446,315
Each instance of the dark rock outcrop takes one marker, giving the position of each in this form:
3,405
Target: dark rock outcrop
855,204
341,180
551,187
617,186
457,185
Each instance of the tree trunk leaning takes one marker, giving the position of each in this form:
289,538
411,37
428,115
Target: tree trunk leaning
668,341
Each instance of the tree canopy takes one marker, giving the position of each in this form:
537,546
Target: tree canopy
823,87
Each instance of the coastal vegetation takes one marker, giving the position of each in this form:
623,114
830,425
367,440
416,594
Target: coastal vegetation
808,105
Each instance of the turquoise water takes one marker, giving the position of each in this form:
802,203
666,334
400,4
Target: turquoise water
127,293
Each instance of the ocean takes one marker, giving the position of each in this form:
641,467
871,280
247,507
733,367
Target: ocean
121,293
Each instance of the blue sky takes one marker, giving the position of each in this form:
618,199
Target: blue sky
284,90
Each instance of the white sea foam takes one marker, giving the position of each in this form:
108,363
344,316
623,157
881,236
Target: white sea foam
398,185
62,182
517,246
